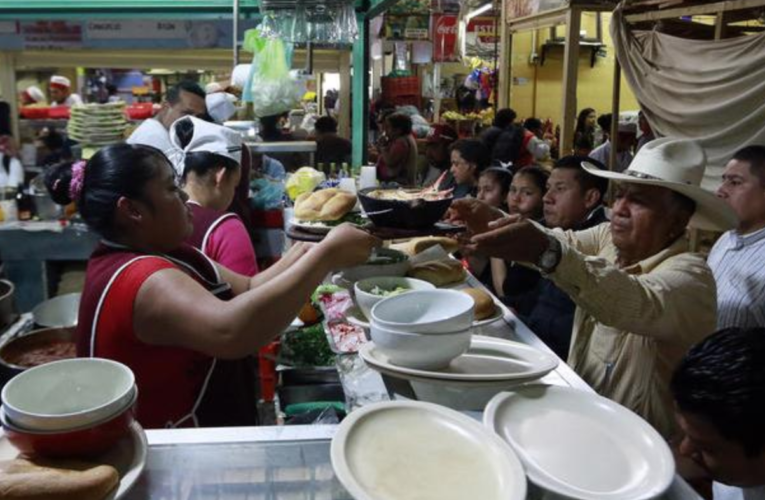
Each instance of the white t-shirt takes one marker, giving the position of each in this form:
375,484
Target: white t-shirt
152,133
72,100
725,492
15,175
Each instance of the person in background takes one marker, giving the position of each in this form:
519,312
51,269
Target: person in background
469,158
574,201
60,89
584,134
330,148
738,258
504,139
397,160
160,306
112,93
646,131
437,152
642,297
32,95
719,389
533,148
55,148
183,99
493,188
11,169
624,145
526,193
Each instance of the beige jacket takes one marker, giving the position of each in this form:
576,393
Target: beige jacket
633,325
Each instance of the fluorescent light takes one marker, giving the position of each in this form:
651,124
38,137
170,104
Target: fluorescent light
480,10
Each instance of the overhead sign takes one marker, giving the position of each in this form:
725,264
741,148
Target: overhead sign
445,38
52,35
156,30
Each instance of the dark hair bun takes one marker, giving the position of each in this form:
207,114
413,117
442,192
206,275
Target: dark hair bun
57,180
184,129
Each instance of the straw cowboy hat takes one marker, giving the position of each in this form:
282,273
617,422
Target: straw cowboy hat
676,164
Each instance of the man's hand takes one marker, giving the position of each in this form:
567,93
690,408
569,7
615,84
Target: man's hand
475,214
516,241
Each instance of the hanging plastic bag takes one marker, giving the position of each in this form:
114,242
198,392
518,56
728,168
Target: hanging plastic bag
304,180
275,89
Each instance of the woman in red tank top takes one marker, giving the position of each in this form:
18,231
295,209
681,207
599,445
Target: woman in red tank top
160,306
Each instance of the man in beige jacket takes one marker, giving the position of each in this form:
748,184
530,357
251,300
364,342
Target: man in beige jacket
642,298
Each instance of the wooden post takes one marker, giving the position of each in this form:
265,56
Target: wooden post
344,120
615,97
505,60
720,23
436,92
570,74
8,89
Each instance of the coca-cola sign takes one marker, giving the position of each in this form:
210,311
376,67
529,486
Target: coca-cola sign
445,38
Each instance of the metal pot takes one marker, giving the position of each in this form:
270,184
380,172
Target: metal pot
9,313
411,214
59,311
25,342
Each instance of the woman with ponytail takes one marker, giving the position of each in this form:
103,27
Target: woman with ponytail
162,307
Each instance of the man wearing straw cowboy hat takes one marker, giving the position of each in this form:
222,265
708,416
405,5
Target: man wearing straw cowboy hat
642,298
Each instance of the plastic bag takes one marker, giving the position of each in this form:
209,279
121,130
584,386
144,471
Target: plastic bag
304,180
275,89
267,194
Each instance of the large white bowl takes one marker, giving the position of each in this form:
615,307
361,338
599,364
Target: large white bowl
371,270
68,394
426,311
424,352
367,300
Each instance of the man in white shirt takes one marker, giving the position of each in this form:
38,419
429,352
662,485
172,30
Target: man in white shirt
719,391
738,258
627,134
61,92
184,99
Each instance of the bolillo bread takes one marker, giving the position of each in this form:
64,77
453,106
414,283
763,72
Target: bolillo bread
484,304
23,479
439,272
325,205
419,245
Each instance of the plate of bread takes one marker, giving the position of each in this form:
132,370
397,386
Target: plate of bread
106,477
486,310
319,211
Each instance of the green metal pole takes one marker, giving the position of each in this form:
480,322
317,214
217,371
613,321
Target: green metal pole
360,93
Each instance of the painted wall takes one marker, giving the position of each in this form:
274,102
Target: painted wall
537,90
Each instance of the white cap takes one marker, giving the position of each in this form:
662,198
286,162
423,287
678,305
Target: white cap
628,127
213,87
35,93
220,106
60,81
207,137
240,75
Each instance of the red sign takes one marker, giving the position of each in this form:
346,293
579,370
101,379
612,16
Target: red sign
445,38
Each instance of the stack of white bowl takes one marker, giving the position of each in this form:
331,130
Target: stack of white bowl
423,329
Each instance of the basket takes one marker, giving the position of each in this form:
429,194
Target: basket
393,87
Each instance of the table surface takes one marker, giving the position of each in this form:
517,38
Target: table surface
292,462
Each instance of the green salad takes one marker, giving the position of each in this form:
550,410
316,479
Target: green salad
382,292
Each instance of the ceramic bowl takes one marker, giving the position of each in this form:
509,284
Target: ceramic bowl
387,262
68,394
422,352
425,311
367,300
75,443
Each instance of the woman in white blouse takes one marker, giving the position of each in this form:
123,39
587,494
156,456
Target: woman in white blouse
11,171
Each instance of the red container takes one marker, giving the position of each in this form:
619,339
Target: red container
140,111
59,113
34,112
267,370
78,443
393,87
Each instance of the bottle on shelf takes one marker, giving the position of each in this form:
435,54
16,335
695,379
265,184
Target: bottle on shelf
333,170
24,204
345,171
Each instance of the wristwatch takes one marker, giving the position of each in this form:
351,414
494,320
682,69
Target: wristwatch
550,258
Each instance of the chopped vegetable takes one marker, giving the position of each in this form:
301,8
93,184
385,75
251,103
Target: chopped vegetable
388,293
306,347
324,290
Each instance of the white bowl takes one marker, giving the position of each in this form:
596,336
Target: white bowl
366,300
423,352
426,311
68,394
371,270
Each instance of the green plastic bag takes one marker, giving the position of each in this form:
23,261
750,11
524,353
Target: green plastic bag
275,89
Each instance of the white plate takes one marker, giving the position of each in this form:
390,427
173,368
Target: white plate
581,445
498,315
407,450
487,360
311,227
128,456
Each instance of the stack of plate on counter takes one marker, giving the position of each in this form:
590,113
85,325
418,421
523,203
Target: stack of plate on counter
97,124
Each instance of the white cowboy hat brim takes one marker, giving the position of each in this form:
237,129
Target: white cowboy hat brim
712,213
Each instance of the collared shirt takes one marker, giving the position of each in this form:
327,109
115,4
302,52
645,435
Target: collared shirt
725,492
738,263
603,154
633,325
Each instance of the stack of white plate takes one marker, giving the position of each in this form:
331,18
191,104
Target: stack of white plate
97,124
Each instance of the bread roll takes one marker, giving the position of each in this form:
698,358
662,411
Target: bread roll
337,206
325,205
484,304
62,480
439,272
419,245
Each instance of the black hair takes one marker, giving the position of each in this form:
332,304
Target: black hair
755,156
53,140
120,170
501,176
473,151
400,122
174,93
532,124
269,127
604,121
538,175
199,162
504,118
582,119
326,125
722,380
586,181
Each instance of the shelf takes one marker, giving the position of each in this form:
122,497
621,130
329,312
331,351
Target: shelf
594,47
283,147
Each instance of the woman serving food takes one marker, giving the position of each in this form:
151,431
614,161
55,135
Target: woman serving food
160,306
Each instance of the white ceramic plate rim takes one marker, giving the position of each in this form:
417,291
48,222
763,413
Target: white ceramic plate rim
498,315
538,476
342,436
311,227
479,341
358,314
